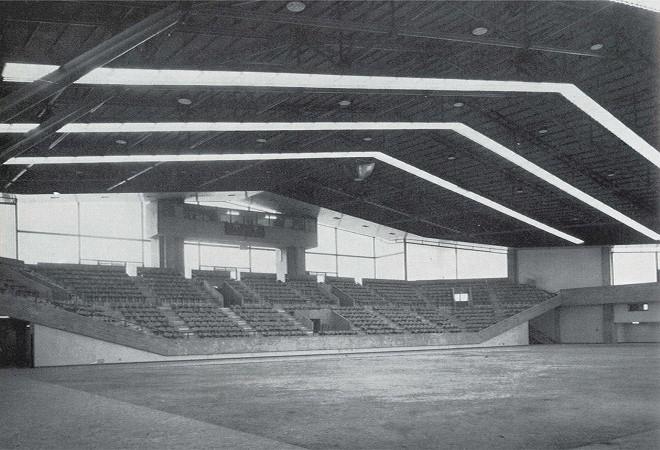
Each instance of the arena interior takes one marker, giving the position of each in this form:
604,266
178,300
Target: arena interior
329,224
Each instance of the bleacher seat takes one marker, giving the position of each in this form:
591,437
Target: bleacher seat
268,321
365,320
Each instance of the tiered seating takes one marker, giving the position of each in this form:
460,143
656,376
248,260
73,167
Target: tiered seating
397,292
172,288
311,290
150,318
272,290
97,284
405,319
436,317
366,320
438,294
208,321
244,291
213,277
269,322
476,317
360,294
507,292
337,332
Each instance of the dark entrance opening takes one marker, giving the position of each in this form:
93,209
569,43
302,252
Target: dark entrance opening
15,343
317,325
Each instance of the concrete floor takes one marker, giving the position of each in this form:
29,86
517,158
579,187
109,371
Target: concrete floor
567,396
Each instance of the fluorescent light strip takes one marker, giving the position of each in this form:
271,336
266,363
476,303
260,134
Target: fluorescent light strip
17,127
288,156
460,128
19,72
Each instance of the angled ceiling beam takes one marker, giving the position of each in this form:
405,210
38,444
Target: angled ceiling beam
41,89
343,25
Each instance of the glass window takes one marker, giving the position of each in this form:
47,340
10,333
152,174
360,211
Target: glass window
426,262
7,230
320,263
111,219
357,268
34,248
354,244
55,216
263,261
390,267
629,268
100,249
225,256
326,240
476,264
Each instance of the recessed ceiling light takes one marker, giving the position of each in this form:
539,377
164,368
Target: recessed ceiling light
55,194
367,139
262,140
459,104
520,190
597,46
344,102
296,7
480,31
543,131
184,101
451,157
611,174
121,142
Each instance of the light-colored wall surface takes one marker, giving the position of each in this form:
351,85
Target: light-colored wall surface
518,335
553,269
581,324
55,348
60,348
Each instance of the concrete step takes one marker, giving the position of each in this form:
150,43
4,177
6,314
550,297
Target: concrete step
238,320
295,321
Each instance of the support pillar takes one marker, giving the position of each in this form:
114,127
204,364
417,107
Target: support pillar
170,249
291,262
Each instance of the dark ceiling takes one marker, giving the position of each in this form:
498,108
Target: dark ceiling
526,41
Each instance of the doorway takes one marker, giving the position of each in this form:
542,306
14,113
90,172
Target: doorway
15,343
316,323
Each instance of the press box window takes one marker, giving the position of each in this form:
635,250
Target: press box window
638,307
461,296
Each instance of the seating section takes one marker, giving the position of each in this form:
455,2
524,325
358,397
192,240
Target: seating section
405,319
437,294
396,292
208,321
212,277
97,284
440,320
249,297
360,294
268,321
312,291
507,292
151,318
172,288
476,317
366,320
272,290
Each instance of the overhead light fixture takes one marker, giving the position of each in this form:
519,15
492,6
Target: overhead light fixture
364,171
55,194
17,127
271,217
458,104
121,142
451,157
480,31
19,72
635,323
597,46
233,213
459,128
344,103
184,101
543,131
262,140
367,139
611,174
208,157
296,6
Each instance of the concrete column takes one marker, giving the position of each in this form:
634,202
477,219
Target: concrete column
606,265
291,261
512,265
171,253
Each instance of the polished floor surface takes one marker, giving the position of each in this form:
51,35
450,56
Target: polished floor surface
563,396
